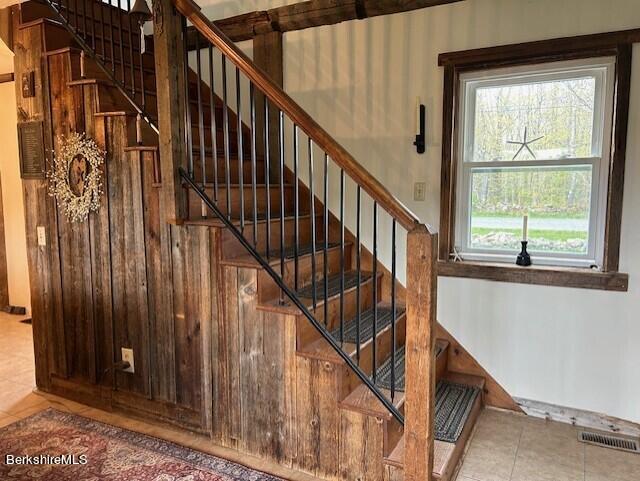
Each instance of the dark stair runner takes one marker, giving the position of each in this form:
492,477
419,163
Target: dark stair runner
350,332
453,406
290,252
333,284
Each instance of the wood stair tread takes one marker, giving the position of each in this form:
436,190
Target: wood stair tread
362,400
383,370
446,454
321,349
333,284
249,261
350,328
442,455
289,308
213,221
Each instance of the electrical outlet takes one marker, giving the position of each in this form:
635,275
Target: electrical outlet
127,356
419,191
42,236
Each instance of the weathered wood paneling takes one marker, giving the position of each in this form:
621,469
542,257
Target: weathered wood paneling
123,278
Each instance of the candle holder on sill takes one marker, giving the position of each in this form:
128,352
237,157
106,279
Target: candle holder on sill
524,259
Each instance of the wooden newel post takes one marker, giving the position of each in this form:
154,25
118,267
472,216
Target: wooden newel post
170,79
420,377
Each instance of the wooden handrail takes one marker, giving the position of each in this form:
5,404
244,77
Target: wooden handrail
310,127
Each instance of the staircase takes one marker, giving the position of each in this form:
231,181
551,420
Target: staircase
279,196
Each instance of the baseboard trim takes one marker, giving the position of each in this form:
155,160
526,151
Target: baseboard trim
578,417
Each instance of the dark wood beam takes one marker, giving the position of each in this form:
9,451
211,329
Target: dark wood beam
313,13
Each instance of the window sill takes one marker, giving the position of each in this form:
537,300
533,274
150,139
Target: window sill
542,275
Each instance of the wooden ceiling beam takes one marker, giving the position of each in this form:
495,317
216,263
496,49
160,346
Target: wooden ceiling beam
313,13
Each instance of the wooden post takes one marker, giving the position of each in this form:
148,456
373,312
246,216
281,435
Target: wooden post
172,107
420,377
268,55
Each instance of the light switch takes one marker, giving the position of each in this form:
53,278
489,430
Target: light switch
42,236
419,191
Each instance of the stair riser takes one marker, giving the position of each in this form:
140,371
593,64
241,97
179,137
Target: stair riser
383,346
99,49
233,140
307,334
231,247
91,70
442,364
268,289
233,171
195,203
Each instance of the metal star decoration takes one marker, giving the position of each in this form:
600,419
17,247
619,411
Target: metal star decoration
524,144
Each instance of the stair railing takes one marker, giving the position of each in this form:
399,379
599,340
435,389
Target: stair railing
106,33
205,158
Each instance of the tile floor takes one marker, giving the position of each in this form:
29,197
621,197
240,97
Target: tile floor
510,447
504,446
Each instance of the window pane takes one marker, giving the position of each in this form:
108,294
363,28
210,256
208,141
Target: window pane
557,115
556,199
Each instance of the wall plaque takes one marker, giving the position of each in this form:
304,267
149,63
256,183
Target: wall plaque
31,143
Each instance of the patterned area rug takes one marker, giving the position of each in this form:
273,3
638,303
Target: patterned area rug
109,453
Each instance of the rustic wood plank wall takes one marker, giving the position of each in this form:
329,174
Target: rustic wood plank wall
124,277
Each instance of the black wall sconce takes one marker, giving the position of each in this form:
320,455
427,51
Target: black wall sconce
420,142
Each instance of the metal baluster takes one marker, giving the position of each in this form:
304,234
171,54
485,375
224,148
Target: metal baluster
267,178
102,37
93,25
326,239
393,309
203,160
84,19
252,101
120,38
342,255
113,57
296,208
375,290
131,57
189,126
225,126
143,94
214,131
240,148
75,16
312,199
281,173
358,274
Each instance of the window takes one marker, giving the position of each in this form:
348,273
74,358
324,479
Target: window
536,129
535,141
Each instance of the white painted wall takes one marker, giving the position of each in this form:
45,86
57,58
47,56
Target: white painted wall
12,200
571,347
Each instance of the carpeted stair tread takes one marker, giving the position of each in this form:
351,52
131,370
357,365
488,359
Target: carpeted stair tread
454,403
383,373
303,250
350,332
333,284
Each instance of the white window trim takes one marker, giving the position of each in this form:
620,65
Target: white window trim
603,114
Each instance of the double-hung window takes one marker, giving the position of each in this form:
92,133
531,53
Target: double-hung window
534,141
